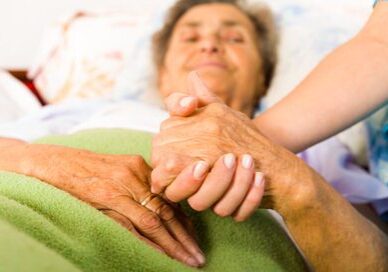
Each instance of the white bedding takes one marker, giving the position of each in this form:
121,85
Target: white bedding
15,99
309,30
330,158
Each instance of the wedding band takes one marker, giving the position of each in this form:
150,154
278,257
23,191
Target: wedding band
146,200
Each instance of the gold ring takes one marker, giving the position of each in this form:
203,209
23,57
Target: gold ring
146,200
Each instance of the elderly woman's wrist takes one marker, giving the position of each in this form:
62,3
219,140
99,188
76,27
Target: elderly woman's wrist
300,193
291,185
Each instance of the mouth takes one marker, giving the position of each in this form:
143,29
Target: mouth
211,64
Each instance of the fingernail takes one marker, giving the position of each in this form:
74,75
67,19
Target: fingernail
229,160
200,169
186,101
247,161
259,178
192,262
200,258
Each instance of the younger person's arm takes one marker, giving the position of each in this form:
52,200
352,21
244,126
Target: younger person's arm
345,87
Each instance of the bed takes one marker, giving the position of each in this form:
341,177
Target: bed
68,70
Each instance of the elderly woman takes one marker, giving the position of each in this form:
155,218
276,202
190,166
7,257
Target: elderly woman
233,49
124,195
294,190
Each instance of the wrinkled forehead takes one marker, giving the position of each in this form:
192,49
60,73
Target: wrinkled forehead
216,16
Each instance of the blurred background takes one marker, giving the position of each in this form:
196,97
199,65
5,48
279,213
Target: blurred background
23,22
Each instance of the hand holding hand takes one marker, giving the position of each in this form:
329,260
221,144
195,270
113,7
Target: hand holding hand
231,187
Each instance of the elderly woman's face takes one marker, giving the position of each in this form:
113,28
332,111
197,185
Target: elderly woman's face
219,42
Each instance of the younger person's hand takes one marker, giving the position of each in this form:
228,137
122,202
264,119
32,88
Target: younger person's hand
231,188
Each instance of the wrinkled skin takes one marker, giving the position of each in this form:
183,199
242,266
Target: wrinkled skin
216,130
113,184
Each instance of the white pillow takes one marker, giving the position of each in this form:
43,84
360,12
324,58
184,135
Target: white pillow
15,99
309,29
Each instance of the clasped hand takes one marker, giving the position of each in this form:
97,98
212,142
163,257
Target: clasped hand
203,154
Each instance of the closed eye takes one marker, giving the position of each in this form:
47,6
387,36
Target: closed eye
233,37
192,39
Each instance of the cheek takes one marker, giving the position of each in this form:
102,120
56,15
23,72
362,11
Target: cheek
177,56
248,63
175,72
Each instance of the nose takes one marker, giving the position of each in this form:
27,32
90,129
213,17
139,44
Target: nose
211,45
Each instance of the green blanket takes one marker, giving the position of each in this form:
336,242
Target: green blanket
45,229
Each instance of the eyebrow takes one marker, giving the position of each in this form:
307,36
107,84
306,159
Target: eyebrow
227,23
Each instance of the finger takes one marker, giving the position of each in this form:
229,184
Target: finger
216,183
185,220
252,200
166,172
187,182
197,87
182,217
150,226
123,221
242,181
170,220
180,104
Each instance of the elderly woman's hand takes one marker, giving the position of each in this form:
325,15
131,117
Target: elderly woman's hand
187,148
117,185
215,136
232,187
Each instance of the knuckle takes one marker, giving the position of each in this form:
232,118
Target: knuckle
212,125
149,222
165,212
170,164
137,161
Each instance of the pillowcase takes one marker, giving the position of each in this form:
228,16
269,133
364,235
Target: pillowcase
16,100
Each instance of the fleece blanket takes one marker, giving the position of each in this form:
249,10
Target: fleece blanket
45,229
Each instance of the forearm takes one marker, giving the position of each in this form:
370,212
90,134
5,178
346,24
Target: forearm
346,86
330,232
12,154
335,237
28,159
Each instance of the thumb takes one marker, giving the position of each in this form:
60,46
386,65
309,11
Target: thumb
197,88
180,104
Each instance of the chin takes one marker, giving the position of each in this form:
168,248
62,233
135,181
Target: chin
216,81
219,88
